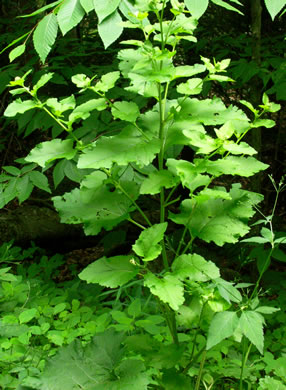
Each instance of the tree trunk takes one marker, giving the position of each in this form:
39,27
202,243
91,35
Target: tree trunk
42,225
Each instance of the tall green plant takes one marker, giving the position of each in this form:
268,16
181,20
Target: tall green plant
139,164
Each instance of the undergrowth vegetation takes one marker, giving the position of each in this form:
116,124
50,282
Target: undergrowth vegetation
160,164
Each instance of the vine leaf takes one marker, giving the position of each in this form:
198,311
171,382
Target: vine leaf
45,35
147,245
70,14
110,272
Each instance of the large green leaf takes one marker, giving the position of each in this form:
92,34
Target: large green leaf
87,5
70,14
251,324
158,180
193,86
104,9
110,29
218,220
110,272
197,7
274,6
83,110
61,106
189,173
234,165
126,111
95,208
100,365
45,35
48,151
222,326
169,289
195,268
270,383
189,70
209,111
128,146
241,148
147,245
19,107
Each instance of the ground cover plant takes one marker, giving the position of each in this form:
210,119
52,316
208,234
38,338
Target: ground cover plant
159,315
